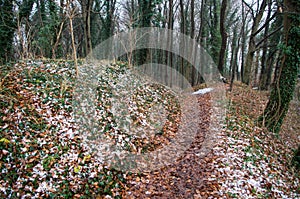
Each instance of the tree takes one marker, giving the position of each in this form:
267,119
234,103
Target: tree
283,91
169,58
23,10
86,6
182,31
48,26
215,36
108,20
59,30
257,17
146,11
7,29
71,13
270,50
263,73
130,14
193,74
202,29
233,26
243,40
223,36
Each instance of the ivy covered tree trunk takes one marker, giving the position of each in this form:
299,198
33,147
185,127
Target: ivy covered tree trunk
283,90
215,36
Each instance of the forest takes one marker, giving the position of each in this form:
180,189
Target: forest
149,98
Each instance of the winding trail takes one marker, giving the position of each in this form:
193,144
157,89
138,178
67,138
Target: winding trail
189,177
241,161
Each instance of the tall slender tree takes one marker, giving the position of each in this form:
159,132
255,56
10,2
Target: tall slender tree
71,13
215,36
263,73
223,36
59,29
257,17
272,54
86,6
182,43
169,57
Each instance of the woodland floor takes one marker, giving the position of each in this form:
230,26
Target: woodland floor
245,162
42,154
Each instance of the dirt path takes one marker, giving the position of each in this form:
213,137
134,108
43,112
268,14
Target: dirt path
243,161
188,177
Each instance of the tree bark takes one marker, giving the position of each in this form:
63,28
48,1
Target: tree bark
283,91
223,36
234,54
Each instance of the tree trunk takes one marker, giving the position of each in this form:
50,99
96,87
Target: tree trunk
251,45
71,11
264,67
73,45
86,6
234,53
283,90
215,39
57,40
223,36
169,58
200,34
243,46
145,12
272,54
182,44
193,69
256,66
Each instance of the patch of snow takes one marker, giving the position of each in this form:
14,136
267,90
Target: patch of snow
203,91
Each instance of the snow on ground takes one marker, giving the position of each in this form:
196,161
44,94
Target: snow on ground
246,168
203,91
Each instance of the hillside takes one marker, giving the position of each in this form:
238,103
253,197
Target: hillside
43,153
